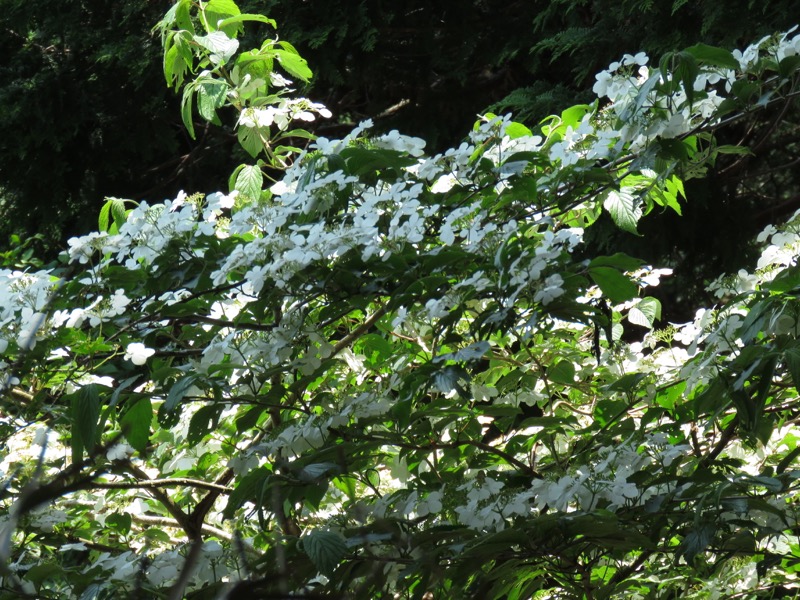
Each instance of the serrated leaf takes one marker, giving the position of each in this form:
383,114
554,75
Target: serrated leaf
226,7
624,208
245,17
135,423
615,286
449,379
112,216
646,312
697,540
211,95
220,47
294,64
187,101
250,140
325,549
249,181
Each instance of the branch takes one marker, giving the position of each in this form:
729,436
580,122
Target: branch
181,517
158,483
360,330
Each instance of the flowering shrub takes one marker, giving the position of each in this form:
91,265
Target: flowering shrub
389,374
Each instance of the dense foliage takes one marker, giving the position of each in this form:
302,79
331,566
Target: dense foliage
390,374
84,113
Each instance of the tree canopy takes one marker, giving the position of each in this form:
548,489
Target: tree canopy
368,370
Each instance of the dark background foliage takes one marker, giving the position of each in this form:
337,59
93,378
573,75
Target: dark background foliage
85,113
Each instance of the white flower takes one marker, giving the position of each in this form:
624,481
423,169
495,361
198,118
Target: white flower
119,451
138,353
402,143
552,289
444,184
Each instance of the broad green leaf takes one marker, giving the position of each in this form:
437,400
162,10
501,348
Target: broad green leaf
620,261
84,416
697,540
119,522
250,487
615,286
221,48
249,181
517,130
178,391
624,207
326,550
135,423
228,7
250,139
246,17
562,372
786,281
646,312
294,64
203,422
211,95
710,55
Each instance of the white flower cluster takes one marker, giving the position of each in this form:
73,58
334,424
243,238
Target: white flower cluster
282,114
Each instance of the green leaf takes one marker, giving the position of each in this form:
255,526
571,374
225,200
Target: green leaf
156,535
624,208
114,208
250,140
697,540
791,358
786,281
620,261
119,522
742,150
450,379
136,423
517,130
222,7
245,17
686,72
249,182
326,550
211,95
711,55
221,48
249,488
186,109
202,423
84,413
294,64
178,391
39,573
615,286
646,312
562,372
